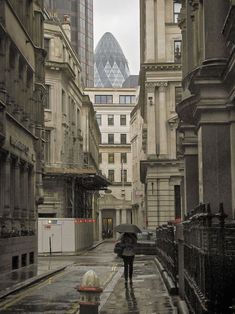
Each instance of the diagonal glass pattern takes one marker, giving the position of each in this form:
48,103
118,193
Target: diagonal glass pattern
110,67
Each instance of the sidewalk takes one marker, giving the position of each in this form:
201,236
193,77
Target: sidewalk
27,276
147,295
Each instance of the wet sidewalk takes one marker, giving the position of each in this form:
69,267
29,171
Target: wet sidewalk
147,294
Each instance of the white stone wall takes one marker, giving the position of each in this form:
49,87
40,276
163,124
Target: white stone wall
161,171
62,118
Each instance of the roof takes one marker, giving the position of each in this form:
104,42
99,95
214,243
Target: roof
89,178
131,81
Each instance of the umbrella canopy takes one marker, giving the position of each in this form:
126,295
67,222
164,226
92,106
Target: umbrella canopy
130,228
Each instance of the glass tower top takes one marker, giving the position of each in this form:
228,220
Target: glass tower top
110,65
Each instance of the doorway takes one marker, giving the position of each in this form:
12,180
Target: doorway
107,228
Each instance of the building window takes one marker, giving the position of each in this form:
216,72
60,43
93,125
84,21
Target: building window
31,258
123,158
47,145
111,175
111,158
123,138
111,138
124,175
127,99
178,94
23,260
176,10
100,158
103,99
122,119
177,51
110,119
63,96
15,262
47,47
47,96
98,118
21,68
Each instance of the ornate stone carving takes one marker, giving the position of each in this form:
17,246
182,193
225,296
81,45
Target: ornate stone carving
152,85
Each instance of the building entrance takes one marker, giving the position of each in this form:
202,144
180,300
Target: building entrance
107,228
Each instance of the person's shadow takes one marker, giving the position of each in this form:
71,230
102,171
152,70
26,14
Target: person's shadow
131,300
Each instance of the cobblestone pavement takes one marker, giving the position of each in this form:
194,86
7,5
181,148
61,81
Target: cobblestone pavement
147,294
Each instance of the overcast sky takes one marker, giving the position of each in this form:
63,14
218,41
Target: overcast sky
121,18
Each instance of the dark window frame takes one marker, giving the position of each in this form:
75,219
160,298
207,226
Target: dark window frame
111,158
123,138
110,119
123,158
123,119
111,175
103,99
109,140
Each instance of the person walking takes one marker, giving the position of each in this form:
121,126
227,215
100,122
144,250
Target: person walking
128,242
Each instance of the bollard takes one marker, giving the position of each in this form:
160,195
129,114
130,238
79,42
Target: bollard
90,291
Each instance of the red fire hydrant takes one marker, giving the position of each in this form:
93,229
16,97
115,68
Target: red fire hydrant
90,291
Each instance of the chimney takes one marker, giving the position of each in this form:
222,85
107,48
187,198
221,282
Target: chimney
66,26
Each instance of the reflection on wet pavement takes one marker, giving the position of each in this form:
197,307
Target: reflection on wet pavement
131,299
147,295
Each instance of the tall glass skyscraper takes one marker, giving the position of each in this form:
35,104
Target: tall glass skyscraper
111,66
81,17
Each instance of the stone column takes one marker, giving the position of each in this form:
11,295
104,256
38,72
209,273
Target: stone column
16,209
7,185
232,131
24,195
191,183
214,158
7,194
161,32
151,119
124,216
215,42
31,191
150,31
100,224
163,143
117,221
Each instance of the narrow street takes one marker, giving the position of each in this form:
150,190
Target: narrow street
58,294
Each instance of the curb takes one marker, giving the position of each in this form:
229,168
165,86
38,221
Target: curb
172,289
95,245
29,282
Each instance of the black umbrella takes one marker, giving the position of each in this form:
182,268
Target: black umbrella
130,228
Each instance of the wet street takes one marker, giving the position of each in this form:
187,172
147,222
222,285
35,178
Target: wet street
58,294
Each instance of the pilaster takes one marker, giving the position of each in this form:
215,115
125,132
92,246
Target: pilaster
162,113
151,118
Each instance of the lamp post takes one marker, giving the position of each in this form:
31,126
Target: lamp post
123,192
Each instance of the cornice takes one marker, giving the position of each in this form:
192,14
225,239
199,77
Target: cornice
153,85
161,67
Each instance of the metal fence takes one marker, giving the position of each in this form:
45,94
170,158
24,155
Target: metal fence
166,250
209,260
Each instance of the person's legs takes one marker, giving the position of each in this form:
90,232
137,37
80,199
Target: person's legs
125,261
131,261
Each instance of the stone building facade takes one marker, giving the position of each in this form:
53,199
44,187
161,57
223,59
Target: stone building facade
80,13
22,94
160,90
71,179
138,191
113,107
207,110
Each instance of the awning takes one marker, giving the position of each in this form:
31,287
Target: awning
88,178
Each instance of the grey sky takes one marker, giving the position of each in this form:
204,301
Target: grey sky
121,18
